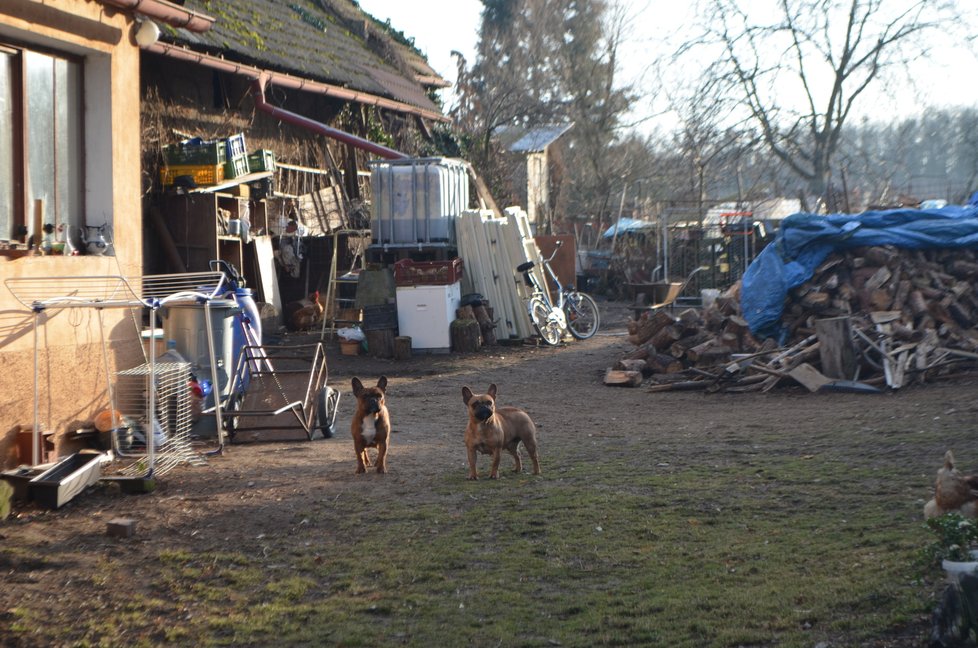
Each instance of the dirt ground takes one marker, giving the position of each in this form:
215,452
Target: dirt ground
253,490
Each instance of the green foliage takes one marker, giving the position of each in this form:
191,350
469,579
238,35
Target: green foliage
956,537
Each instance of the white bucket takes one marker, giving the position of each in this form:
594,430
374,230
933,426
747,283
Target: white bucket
709,296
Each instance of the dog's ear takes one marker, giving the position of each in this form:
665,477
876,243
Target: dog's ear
492,391
466,395
357,386
382,383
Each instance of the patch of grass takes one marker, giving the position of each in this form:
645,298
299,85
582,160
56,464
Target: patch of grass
590,560
761,550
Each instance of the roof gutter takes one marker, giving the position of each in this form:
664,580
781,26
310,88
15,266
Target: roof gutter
258,94
289,81
166,12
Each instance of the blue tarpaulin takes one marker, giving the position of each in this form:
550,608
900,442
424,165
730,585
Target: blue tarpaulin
805,240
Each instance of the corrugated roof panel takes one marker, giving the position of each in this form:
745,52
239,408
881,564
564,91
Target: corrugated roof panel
517,139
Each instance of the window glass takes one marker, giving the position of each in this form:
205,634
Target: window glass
51,162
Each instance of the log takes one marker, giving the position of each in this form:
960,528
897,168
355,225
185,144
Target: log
465,312
662,363
648,325
465,335
616,378
380,343
836,351
665,337
640,366
486,325
918,306
879,278
402,347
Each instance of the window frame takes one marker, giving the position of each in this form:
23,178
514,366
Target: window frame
20,234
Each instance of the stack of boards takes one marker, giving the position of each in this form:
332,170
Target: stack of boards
491,249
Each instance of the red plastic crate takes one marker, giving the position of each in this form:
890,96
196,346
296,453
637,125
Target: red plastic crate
427,273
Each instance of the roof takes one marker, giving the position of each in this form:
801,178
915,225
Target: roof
518,139
329,41
626,225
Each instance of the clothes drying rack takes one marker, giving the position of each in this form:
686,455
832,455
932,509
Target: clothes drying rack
45,294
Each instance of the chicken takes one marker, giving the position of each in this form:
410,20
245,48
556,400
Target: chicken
305,313
953,491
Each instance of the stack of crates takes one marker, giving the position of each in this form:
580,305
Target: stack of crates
202,160
237,157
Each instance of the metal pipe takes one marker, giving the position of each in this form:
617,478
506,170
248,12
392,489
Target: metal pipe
167,12
258,94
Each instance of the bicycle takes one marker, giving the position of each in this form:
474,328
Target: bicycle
575,312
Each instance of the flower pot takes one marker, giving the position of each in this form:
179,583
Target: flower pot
955,568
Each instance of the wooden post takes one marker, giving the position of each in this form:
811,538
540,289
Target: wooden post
465,335
402,347
837,354
380,343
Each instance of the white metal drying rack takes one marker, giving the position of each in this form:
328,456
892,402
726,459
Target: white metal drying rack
41,294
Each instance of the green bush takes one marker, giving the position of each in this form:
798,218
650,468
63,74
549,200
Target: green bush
956,536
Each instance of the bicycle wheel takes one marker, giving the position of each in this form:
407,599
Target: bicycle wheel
583,318
544,321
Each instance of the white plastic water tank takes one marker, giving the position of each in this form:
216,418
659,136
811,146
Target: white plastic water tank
416,200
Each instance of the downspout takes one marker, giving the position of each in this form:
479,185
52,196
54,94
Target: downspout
166,12
258,94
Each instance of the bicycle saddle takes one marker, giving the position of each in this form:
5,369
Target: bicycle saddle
524,267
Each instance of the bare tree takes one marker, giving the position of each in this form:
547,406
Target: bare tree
800,66
547,61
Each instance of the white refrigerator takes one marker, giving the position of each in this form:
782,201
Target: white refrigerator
425,313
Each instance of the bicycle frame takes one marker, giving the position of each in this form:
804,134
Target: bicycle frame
542,291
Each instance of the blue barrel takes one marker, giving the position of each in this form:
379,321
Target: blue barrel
249,314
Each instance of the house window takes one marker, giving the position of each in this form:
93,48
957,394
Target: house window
41,164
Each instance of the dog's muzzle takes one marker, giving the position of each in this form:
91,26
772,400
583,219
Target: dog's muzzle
373,406
482,412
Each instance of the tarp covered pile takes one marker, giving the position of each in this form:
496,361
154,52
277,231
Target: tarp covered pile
805,240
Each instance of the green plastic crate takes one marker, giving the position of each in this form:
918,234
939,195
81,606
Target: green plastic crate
202,154
261,160
236,168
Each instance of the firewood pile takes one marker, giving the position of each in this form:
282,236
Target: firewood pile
869,318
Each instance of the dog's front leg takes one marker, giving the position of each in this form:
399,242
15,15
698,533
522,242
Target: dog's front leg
382,456
472,457
362,459
496,454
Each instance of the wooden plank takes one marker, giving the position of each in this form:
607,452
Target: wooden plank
809,376
267,278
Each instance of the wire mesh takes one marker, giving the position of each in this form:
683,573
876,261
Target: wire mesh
173,419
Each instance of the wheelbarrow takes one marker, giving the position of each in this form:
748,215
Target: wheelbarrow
660,294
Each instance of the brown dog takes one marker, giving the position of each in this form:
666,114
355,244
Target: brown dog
492,429
371,425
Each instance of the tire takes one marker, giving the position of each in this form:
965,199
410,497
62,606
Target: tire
326,411
583,317
543,321
229,415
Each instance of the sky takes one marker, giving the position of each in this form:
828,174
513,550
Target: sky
437,26
440,26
